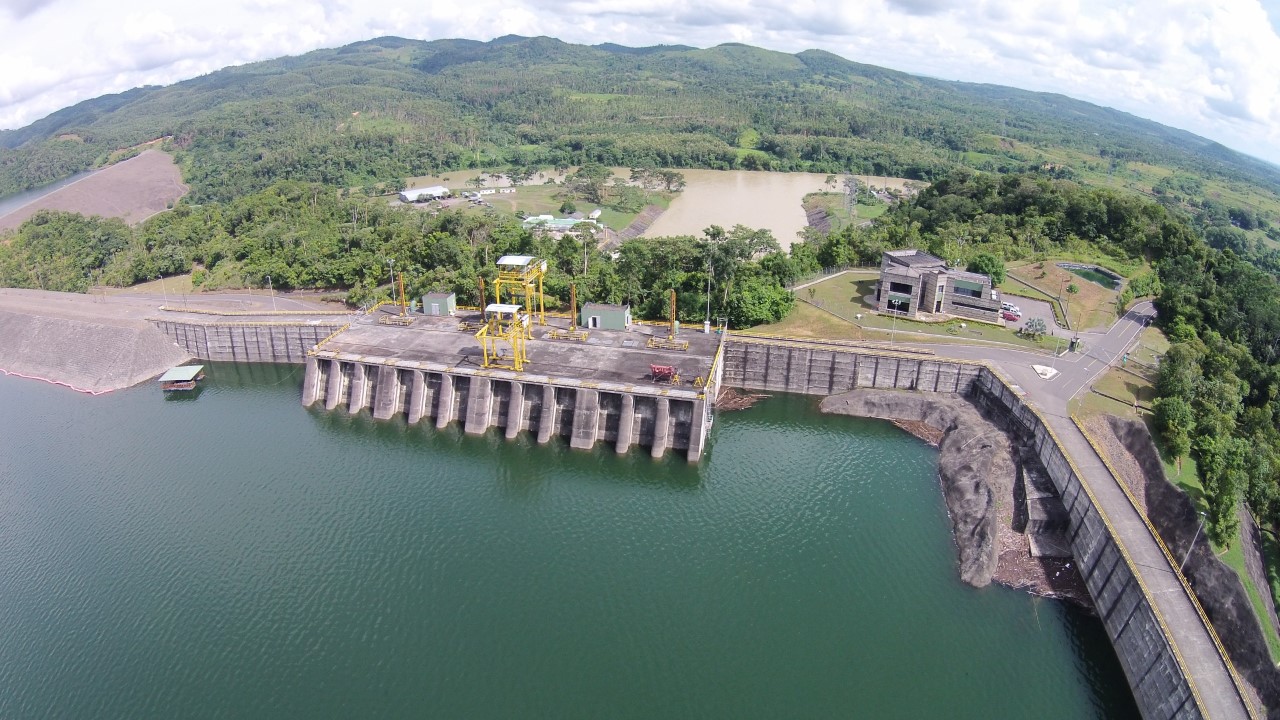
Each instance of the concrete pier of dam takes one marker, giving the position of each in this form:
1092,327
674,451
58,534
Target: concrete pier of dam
590,391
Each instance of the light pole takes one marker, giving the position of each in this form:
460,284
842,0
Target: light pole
710,269
163,289
1193,543
272,293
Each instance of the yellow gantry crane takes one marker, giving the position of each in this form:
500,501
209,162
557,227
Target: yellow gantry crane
521,276
670,342
503,336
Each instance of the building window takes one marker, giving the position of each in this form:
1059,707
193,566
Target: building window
974,308
901,288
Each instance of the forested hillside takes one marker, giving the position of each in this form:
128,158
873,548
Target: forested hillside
385,109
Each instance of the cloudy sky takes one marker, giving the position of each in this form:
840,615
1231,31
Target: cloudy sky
1208,66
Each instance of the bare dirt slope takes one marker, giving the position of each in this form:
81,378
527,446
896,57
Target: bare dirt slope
132,190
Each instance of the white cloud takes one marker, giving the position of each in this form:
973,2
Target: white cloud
1205,66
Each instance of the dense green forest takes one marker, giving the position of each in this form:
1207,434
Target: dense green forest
304,236
385,109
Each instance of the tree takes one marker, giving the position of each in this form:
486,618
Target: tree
1176,422
1035,327
590,183
989,265
672,180
568,208
1072,289
756,300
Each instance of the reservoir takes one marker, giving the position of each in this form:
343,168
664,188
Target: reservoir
232,554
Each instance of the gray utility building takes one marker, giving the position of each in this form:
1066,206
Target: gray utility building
605,317
439,303
918,285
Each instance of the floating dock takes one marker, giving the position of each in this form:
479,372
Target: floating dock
590,387
183,377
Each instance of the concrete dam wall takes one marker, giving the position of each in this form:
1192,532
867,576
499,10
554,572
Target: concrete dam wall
273,342
546,407
1155,673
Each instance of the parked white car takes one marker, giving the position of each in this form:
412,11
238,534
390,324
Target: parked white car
1010,307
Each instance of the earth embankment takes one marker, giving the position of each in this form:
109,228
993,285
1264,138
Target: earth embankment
89,348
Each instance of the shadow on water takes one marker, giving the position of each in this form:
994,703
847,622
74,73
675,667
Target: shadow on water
633,468
184,395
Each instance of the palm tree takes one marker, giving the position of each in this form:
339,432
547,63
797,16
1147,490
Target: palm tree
1072,289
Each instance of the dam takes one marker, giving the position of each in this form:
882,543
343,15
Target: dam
602,389
588,386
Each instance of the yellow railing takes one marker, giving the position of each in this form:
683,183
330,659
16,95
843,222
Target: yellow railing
255,313
329,337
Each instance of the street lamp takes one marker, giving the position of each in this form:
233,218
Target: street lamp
1193,543
163,289
272,293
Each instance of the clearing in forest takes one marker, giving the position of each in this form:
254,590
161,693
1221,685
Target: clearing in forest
132,190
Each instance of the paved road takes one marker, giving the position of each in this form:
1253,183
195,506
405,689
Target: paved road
1077,372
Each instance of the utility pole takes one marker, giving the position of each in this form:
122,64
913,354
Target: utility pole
272,292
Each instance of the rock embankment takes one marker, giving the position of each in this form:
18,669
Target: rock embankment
993,488
82,353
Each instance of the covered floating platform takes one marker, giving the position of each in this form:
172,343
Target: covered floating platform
183,377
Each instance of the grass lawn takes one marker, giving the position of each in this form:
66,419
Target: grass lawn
175,286
833,204
807,321
1234,559
1093,307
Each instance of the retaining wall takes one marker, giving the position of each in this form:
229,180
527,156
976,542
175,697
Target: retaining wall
277,342
1151,665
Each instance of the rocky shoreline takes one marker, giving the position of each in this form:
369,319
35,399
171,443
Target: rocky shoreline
987,480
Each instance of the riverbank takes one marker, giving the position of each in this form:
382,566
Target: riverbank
984,476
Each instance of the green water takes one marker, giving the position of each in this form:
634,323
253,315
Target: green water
235,555
1095,276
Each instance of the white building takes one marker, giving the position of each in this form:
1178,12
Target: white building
434,192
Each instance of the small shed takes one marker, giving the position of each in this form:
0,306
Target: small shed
439,303
603,316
